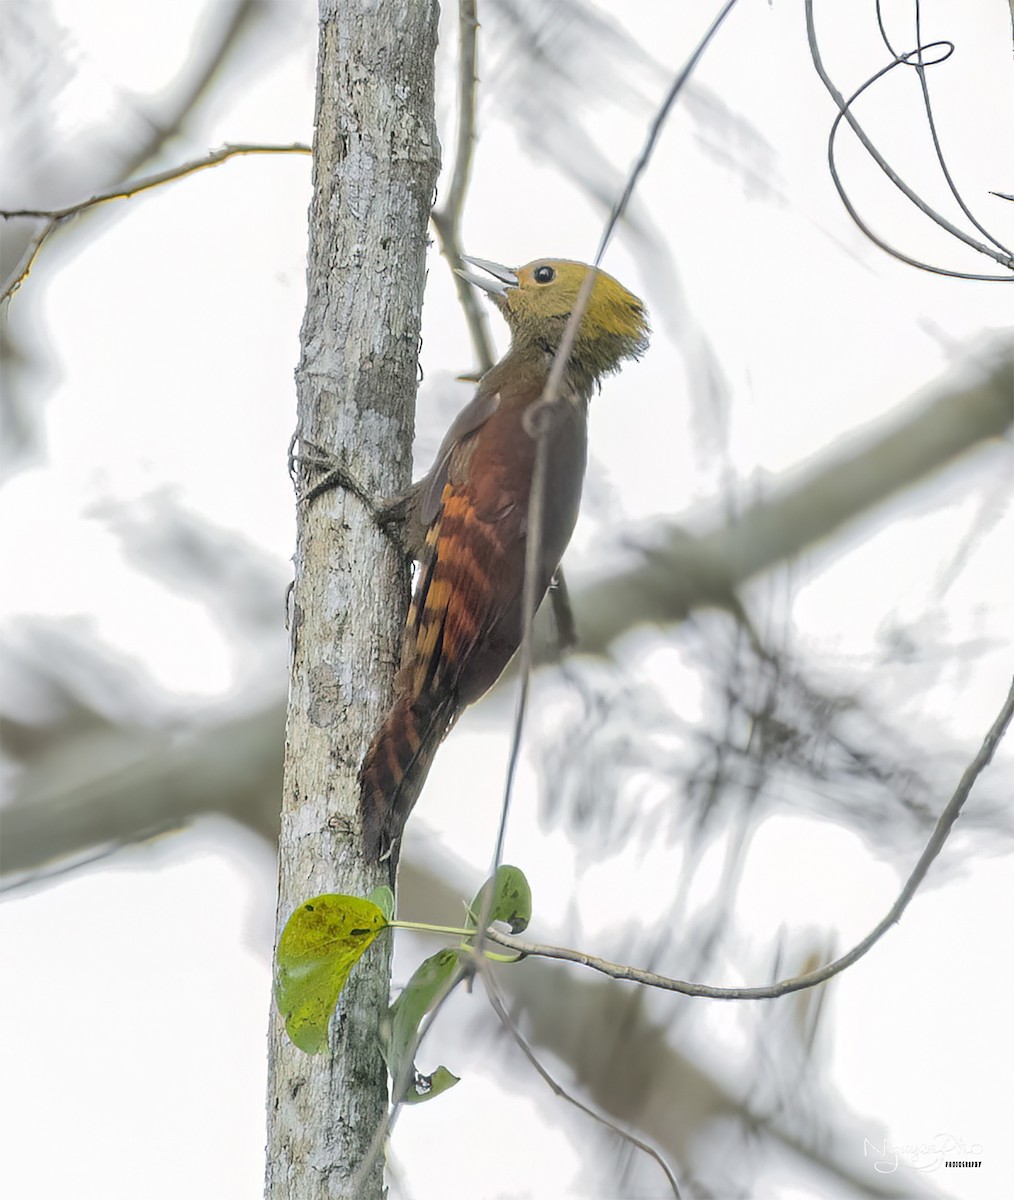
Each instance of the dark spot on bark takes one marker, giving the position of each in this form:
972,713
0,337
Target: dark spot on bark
339,824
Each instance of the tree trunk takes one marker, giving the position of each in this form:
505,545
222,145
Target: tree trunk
375,164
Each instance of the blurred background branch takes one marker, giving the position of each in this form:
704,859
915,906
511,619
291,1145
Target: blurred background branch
51,175
447,216
677,744
107,786
677,572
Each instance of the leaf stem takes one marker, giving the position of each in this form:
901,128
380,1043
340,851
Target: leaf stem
422,927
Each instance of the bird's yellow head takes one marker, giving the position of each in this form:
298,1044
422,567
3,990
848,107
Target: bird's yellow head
538,299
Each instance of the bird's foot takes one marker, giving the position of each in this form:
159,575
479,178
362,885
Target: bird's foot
313,458
390,515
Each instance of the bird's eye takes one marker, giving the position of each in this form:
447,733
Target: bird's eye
544,274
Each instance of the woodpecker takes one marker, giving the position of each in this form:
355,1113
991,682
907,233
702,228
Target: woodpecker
466,521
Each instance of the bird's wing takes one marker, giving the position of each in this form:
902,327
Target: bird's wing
472,417
469,556
467,565
456,601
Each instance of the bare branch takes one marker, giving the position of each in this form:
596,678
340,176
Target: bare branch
27,260
538,420
655,129
496,1003
123,191
447,220
213,49
786,986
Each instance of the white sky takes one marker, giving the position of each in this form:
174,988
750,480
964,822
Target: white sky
134,1020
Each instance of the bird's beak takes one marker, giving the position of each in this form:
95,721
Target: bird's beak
503,277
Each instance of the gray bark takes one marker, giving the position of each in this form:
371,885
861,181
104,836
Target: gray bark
376,158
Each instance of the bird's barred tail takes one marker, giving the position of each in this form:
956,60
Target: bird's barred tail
395,769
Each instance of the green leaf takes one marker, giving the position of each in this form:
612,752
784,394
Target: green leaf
405,1016
321,942
383,898
425,1087
511,903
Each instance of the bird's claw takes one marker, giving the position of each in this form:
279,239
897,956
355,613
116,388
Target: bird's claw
311,457
389,515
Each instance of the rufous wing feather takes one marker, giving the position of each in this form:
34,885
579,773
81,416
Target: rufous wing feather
456,603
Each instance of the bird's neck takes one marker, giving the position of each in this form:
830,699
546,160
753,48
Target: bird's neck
531,359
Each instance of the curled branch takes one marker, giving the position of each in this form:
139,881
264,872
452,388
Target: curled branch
1001,255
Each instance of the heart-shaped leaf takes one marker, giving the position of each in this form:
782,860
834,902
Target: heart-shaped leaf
406,1014
321,942
511,902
